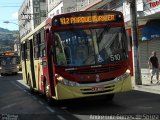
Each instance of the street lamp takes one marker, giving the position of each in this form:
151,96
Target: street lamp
7,22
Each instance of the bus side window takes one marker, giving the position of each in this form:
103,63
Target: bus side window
42,45
43,51
36,45
28,50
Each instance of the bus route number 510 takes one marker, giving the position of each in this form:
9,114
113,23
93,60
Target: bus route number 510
115,57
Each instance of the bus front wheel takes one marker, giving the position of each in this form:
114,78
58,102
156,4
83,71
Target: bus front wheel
110,97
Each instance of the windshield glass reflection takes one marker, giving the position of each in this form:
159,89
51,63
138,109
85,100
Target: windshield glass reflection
90,46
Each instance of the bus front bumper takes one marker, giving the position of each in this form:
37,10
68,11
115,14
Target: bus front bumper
8,70
93,89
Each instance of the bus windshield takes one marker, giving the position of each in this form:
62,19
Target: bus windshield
83,47
9,60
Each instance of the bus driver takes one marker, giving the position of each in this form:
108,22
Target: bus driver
60,56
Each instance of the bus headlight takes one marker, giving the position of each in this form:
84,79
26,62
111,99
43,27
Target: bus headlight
124,76
0,68
63,81
17,66
128,71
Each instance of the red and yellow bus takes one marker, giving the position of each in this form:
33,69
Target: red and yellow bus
79,54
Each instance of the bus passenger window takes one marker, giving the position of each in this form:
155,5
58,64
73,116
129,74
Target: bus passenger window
42,50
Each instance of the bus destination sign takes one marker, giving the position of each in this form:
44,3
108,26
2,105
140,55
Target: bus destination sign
79,19
8,54
87,19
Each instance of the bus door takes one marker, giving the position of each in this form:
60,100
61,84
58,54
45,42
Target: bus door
32,63
39,58
23,61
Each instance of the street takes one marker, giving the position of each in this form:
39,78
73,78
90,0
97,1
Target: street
17,102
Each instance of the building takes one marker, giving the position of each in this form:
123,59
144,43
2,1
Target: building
61,6
31,14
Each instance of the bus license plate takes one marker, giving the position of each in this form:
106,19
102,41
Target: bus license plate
98,88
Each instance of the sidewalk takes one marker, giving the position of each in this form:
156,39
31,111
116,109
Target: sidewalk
146,85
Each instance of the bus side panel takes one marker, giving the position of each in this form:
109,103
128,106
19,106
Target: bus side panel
37,72
24,76
41,75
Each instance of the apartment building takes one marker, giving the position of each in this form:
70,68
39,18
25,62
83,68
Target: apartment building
61,6
31,14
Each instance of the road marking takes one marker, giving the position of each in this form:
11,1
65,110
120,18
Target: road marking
8,106
50,109
17,85
29,93
41,102
35,98
60,117
145,107
25,90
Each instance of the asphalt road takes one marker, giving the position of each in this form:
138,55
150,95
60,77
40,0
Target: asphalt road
16,101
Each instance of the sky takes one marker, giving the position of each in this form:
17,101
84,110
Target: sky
9,12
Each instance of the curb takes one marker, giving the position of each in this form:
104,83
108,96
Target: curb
147,89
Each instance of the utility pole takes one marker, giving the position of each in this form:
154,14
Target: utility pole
135,46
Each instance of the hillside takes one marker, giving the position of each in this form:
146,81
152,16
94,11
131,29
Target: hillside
4,30
7,39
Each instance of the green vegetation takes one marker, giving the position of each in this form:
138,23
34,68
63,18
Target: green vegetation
7,39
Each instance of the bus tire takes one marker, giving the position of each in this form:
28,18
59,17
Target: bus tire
110,97
2,74
30,85
15,73
48,98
